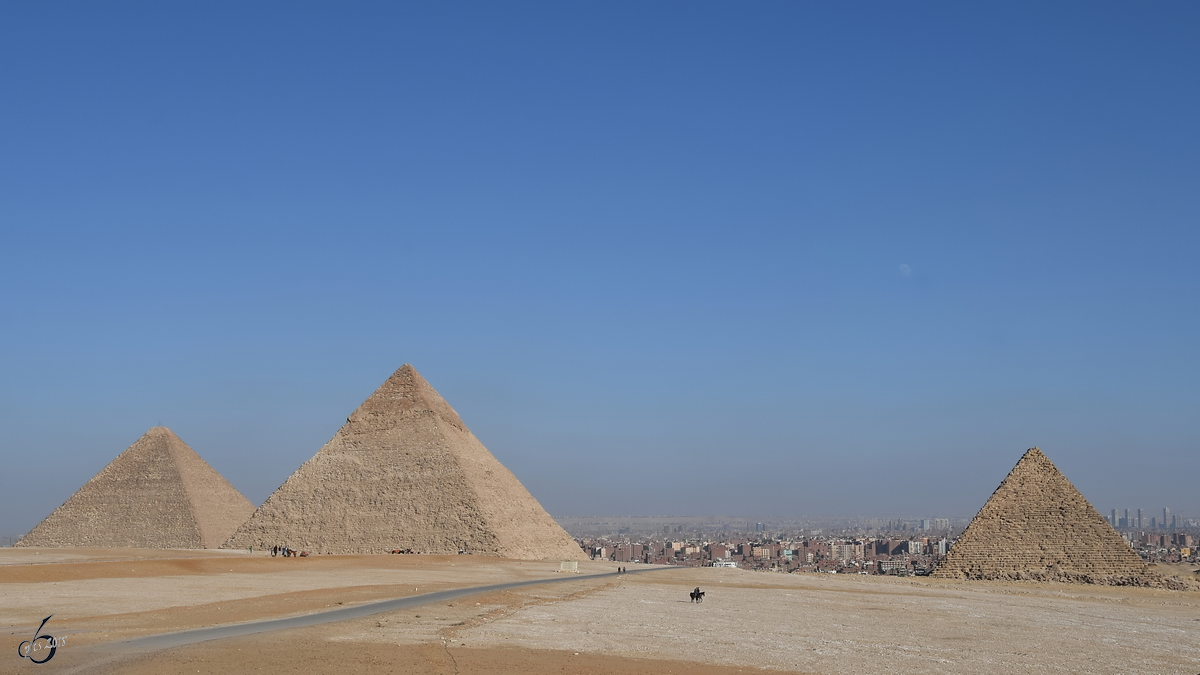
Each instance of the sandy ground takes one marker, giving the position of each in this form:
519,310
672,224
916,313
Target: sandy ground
829,624
1181,570
838,624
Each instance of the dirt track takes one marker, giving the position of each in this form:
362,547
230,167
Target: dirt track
636,623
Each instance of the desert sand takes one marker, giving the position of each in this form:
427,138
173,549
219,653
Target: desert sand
634,623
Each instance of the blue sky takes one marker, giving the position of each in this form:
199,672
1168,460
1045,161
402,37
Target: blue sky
676,258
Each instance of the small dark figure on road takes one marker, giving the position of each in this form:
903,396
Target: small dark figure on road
697,595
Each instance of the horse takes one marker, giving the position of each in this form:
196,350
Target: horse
697,595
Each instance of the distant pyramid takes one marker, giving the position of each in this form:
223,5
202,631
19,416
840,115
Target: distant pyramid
157,494
1037,526
406,473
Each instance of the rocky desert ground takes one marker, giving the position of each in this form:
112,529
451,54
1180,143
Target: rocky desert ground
641,622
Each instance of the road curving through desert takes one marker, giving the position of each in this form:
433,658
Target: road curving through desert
187,637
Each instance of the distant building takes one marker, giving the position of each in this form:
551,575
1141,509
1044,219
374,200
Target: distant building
848,551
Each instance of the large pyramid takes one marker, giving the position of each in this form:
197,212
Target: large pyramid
157,494
406,473
1037,526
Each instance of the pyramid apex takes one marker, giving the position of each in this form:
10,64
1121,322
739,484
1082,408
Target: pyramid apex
408,373
1032,453
405,392
1034,456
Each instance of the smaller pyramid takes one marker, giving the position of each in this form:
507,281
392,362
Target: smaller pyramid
1036,526
157,494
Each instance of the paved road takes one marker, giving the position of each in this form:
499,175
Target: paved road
187,637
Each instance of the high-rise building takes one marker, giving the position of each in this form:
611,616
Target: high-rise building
1166,516
1139,520
1113,521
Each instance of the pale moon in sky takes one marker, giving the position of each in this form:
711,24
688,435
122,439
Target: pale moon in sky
905,271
